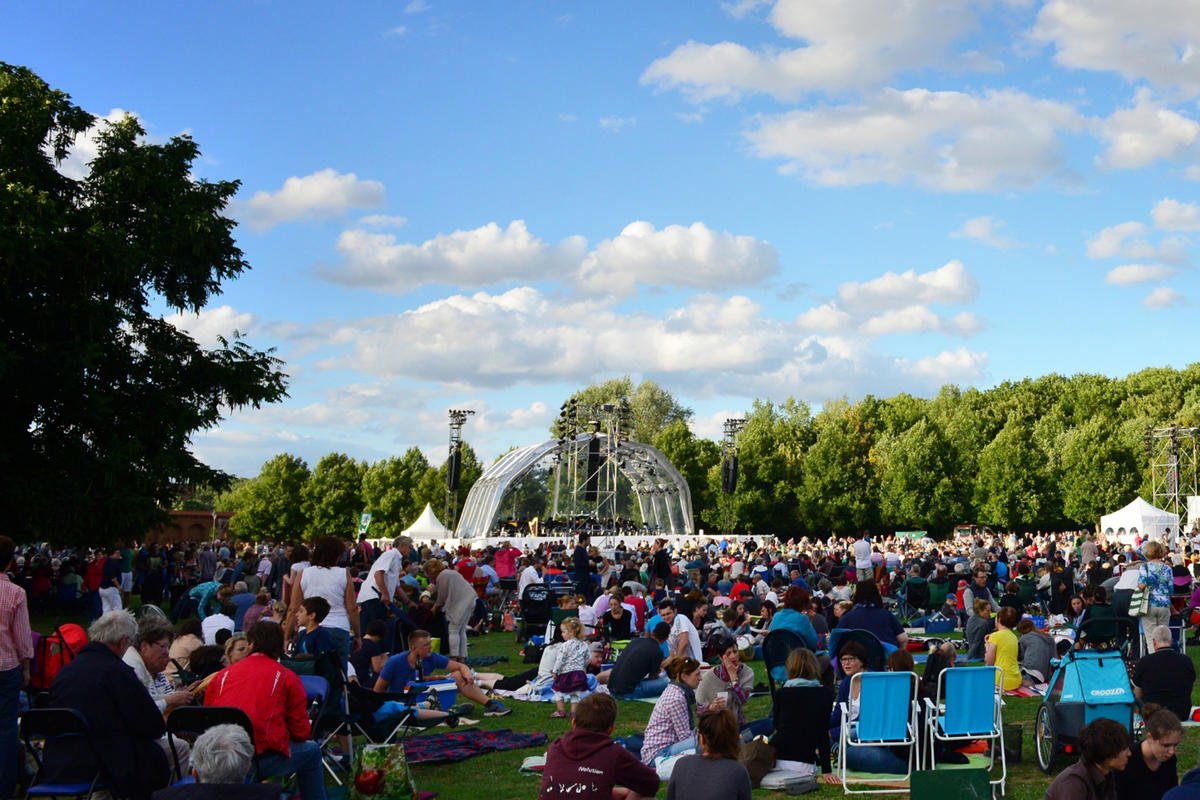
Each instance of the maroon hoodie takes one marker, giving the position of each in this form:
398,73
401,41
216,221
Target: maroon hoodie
585,765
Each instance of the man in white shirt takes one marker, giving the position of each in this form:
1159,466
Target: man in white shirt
215,622
531,574
379,589
863,567
684,639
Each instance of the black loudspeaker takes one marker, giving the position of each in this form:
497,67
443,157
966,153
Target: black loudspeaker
593,471
453,469
729,466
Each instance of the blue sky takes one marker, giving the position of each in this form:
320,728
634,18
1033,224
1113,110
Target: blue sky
489,205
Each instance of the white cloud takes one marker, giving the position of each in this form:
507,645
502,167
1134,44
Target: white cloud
948,284
920,319
694,256
567,118
1127,240
382,221
416,6
847,44
210,323
1110,241
946,141
1139,136
537,415
825,317
399,30
617,124
1163,297
740,8
1152,40
1172,215
322,195
479,257
985,230
1133,274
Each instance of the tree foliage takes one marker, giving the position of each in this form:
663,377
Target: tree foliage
333,496
102,395
272,503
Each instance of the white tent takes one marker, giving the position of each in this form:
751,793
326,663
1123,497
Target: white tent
1139,517
428,526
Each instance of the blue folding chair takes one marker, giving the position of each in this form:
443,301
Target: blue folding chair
50,724
968,708
887,703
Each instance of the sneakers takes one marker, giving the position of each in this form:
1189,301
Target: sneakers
463,709
495,708
560,714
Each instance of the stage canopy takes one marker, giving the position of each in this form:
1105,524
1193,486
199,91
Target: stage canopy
662,493
1139,517
428,526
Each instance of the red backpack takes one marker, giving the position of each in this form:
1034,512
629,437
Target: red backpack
54,652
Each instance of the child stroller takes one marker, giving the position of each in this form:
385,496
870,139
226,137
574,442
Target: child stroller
1086,685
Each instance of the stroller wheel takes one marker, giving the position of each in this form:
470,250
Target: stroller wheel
1043,739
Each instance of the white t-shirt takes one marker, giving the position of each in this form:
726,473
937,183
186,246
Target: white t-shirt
390,564
862,554
213,623
681,624
330,583
528,575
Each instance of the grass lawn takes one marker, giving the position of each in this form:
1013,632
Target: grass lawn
494,776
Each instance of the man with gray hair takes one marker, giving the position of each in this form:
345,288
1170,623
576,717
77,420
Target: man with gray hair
125,725
1164,676
222,758
382,584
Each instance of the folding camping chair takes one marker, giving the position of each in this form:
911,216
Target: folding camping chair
877,651
887,703
777,646
968,708
47,725
194,720
801,717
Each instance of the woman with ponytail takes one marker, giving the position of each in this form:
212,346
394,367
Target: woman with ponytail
1152,770
671,729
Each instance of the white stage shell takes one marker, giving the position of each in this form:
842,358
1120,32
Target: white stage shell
1139,517
662,493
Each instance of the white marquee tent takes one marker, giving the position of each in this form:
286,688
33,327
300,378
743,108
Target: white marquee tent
1139,517
428,526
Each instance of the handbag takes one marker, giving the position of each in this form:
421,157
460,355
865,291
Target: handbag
758,757
1139,602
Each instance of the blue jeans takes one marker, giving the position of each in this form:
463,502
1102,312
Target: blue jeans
305,762
650,687
10,691
341,644
875,759
688,745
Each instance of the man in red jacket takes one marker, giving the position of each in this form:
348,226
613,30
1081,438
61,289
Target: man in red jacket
587,764
274,699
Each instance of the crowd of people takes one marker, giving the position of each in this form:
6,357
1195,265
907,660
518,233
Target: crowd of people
643,619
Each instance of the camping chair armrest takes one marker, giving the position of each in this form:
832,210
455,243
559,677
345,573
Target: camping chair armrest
930,707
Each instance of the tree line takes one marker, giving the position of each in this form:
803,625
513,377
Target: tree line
1050,453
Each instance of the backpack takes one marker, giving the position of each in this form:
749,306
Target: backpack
54,652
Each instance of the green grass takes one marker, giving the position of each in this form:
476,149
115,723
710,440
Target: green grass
494,776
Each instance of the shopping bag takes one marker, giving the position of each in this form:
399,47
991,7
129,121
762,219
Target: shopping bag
1139,602
382,773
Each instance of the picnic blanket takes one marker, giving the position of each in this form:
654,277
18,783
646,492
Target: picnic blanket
533,765
483,661
883,779
1028,691
546,695
461,745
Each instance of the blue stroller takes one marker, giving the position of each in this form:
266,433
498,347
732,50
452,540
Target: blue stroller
1086,685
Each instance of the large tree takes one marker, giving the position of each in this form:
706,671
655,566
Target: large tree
333,496
270,506
102,395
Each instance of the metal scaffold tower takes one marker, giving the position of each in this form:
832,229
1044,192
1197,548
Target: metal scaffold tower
458,418
588,462
1173,474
